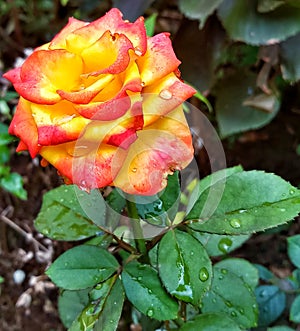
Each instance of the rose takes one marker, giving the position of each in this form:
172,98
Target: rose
102,103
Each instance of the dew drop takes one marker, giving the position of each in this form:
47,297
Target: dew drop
134,169
192,253
233,314
224,271
165,94
292,191
235,223
139,278
224,245
242,311
221,277
228,303
203,274
138,52
98,287
214,300
282,209
150,291
150,312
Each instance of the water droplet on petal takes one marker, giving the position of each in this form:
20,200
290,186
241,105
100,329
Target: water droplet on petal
150,312
166,94
203,274
138,52
235,223
134,169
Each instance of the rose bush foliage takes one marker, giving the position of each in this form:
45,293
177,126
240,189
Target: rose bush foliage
102,103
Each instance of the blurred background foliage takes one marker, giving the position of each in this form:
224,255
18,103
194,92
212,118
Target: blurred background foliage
241,55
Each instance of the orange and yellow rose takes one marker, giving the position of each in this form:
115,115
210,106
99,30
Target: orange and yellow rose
102,103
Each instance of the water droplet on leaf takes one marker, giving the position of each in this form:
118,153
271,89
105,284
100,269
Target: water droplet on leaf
292,191
203,274
150,312
224,245
224,271
235,223
233,314
228,303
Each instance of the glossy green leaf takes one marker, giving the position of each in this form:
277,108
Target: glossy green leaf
62,216
5,137
13,183
295,310
150,24
104,310
211,322
184,266
198,9
233,115
70,305
81,267
145,291
264,273
294,249
280,328
247,204
265,6
159,210
4,154
271,301
289,55
230,295
218,244
243,22
213,181
242,268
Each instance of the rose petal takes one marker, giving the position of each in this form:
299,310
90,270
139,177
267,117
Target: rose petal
57,123
24,127
91,169
119,132
159,150
159,60
113,51
13,75
59,41
87,94
164,96
113,22
44,72
116,105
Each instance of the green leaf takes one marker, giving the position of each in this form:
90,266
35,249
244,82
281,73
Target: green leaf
271,301
265,6
243,22
70,304
62,216
264,273
289,55
208,182
295,310
9,95
199,9
184,266
218,244
160,209
81,267
5,137
145,291
247,204
150,24
230,295
233,113
280,328
13,183
104,310
4,108
242,268
211,322
4,154
1,280
294,249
